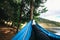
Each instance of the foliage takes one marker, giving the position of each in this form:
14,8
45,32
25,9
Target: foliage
19,10
36,4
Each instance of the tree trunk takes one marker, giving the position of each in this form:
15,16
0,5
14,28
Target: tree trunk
31,9
20,18
19,22
21,11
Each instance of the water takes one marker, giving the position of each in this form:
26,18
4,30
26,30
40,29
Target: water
55,30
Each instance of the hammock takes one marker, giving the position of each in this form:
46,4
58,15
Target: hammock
51,35
35,32
25,33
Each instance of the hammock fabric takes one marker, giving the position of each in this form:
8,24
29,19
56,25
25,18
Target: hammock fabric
35,32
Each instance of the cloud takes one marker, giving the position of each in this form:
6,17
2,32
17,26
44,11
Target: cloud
53,4
51,15
53,12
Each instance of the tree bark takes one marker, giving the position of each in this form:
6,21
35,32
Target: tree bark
31,9
20,18
19,22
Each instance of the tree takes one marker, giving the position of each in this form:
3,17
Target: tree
10,10
32,10
20,11
5,5
34,5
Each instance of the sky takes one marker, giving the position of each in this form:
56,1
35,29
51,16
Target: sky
53,12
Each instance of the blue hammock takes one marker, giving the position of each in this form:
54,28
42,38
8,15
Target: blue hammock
25,33
35,32
51,35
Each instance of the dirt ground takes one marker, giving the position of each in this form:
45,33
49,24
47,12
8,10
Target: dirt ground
7,33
